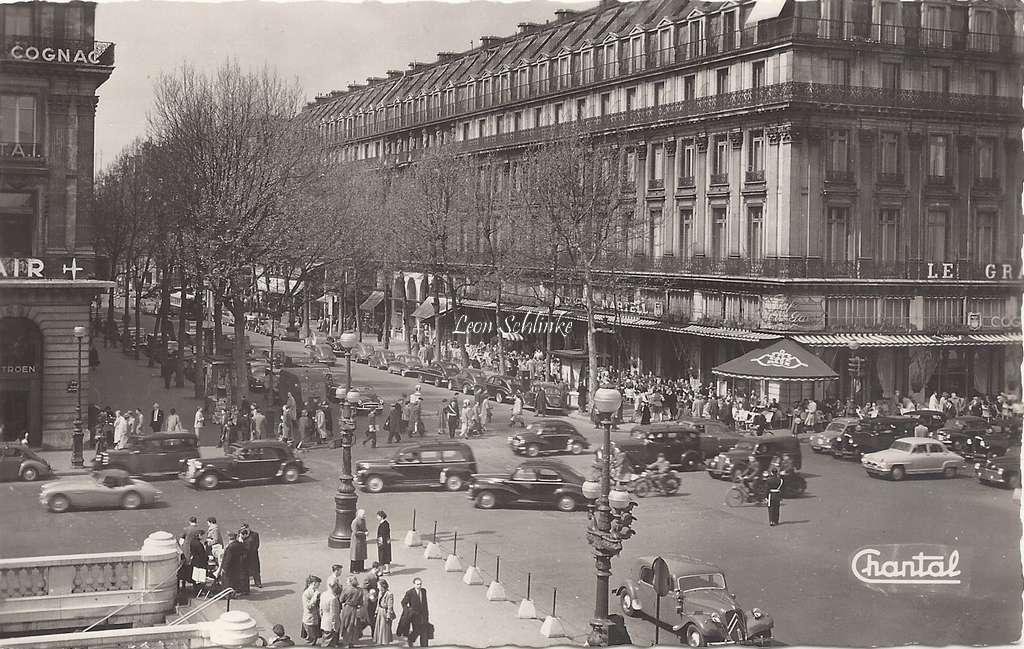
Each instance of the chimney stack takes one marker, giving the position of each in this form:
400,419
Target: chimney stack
372,81
355,86
487,42
526,28
565,14
416,66
395,74
446,56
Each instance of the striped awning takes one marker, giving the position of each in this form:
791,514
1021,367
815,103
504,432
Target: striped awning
478,304
630,320
426,310
370,303
511,335
907,340
728,333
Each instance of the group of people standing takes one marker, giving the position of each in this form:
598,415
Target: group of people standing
207,554
113,428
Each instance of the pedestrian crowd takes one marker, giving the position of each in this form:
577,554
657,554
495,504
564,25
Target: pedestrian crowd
212,560
114,428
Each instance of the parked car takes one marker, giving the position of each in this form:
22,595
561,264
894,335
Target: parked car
1000,471
502,388
362,352
534,482
107,489
445,464
153,454
467,380
549,436
957,430
405,365
323,354
439,374
259,460
876,434
716,436
20,463
557,396
998,439
705,612
930,419
683,446
913,456
258,373
822,442
368,399
734,463
380,359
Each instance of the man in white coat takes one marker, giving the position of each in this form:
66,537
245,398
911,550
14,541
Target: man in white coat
120,430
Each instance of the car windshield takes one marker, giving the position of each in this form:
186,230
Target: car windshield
714,580
745,446
906,447
835,427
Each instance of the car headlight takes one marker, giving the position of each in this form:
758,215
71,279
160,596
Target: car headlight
1000,470
977,466
715,618
757,613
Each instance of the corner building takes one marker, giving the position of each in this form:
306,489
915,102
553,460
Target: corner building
50,68
845,172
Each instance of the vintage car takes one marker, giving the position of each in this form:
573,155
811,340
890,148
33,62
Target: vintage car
368,399
258,373
930,419
957,430
699,607
734,463
1000,471
468,379
153,454
502,388
548,436
439,374
684,447
913,456
21,463
998,439
107,489
260,460
362,352
716,436
380,359
870,435
534,482
405,365
445,464
822,442
322,354
556,396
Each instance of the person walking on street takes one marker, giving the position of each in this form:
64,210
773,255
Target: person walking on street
371,428
357,554
540,406
173,422
213,535
442,417
404,409
120,430
305,429
384,542
259,425
311,611
251,541
321,425
382,633
156,419
452,419
394,423
198,421
352,600
232,566
415,621
330,615
774,498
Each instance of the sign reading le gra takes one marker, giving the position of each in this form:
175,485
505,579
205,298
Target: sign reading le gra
54,54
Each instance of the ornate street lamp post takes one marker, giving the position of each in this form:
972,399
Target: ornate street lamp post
855,362
77,434
602,534
346,498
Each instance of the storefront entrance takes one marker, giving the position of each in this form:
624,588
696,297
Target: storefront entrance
21,372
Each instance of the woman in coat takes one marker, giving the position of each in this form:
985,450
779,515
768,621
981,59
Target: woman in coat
330,615
382,634
357,555
352,605
384,542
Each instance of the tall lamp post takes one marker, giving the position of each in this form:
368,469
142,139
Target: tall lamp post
346,498
855,362
77,434
610,520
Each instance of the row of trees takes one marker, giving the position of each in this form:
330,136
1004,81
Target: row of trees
232,186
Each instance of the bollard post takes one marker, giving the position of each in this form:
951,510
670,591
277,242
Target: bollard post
476,546
552,626
527,611
497,568
433,550
529,580
496,592
435,532
554,600
455,543
414,520
452,563
473,576
412,537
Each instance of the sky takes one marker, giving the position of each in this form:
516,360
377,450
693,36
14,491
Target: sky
326,45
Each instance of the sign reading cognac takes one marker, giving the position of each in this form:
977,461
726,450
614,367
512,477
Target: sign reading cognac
54,54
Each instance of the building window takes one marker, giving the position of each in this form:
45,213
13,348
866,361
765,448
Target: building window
558,114
17,224
892,76
940,312
888,235
889,150
665,46
659,93
686,232
987,85
696,39
18,119
630,99
609,60
686,157
938,156
890,14
631,167
935,26
653,228
720,162
755,232
986,158
17,20
74,23
983,36
689,87
606,104
517,121
718,240
657,170
538,117
465,131
937,239
938,79
581,110
757,74
838,244
839,72
985,236
721,81
755,154
499,122
839,151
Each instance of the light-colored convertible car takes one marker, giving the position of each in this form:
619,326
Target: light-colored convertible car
106,489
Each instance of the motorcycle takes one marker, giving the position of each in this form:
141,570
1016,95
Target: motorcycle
648,482
742,494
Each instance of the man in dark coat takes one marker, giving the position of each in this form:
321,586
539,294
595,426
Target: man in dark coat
394,423
540,406
415,620
250,540
156,418
452,417
232,566
190,532
774,498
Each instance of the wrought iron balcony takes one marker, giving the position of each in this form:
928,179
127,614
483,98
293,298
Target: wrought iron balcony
890,179
720,179
834,176
656,184
754,176
944,180
686,181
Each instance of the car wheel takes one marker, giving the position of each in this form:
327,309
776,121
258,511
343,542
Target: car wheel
375,484
291,474
898,473
532,450
949,472
454,483
694,638
209,481
566,504
29,474
131,500
576,448
627,606
59,503
690,461
486,500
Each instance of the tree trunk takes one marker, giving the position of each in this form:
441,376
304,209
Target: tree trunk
588,296
437,318
498,329
126,318
199,375
550,338
218,321
158,354
387,312
241,373
179,362
138,310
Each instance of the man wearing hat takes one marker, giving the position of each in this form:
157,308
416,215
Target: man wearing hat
232,566
250,540
156,418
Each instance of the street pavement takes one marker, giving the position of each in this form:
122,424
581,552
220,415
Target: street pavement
799,572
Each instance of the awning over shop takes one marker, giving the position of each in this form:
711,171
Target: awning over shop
728,333
426,310
512,335
997,339
764,10
479,304
327,297
278,285
370,303
907,340
784,360
629,320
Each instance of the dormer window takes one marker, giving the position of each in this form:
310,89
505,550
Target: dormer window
636,53
664,53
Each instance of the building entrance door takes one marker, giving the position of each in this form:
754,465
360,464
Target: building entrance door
21,367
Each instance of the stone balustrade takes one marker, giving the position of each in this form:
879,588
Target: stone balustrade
73,591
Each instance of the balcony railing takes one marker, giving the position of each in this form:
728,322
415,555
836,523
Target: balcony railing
57,51
656,183
754,176
686,181
890,179
940,181
834,176
720,179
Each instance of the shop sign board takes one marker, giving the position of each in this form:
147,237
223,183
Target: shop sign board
793,312
34,268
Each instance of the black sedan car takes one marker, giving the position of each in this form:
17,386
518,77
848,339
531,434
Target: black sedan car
550,436
405,365
930,419
956,432
534,482
439,374
245,462
468,380
502,388
1000,471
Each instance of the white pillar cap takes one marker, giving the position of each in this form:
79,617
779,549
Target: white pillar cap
234,629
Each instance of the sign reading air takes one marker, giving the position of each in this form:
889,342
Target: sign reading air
54,54
33,268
